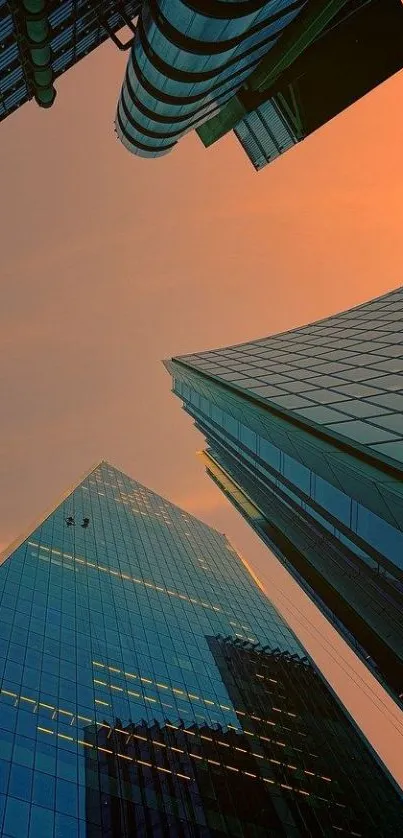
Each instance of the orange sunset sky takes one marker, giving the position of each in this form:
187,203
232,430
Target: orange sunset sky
110,263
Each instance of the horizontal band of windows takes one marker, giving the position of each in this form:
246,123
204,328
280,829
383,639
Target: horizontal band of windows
172,118
187,124
362,454
137,126
168,99
135,150
147,112
219,9
182,41
197,47
170,72
142,146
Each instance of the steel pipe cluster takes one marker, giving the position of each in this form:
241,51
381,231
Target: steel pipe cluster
38,38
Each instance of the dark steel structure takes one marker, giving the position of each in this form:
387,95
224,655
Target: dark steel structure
273,71
42,39
314,76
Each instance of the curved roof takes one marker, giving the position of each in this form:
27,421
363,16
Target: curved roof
342,375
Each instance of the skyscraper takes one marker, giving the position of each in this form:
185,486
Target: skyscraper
149,688
41,39
265,69
305,436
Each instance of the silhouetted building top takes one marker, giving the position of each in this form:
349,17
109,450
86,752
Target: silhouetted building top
263,68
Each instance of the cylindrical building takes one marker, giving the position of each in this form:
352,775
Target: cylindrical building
188,57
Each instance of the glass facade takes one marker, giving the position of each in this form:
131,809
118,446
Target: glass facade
308,426
149,688
41,40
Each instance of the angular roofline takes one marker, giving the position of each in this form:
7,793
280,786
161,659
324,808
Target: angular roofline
287,331
6,553
19,540
371,458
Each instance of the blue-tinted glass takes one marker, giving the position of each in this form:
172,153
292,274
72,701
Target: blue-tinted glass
297,474
248,437
43,793
269,453
332,499
20,782
41,822
4,775
118,678
16,818
325,404
376,531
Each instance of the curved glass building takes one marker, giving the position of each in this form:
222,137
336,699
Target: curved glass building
188,58
305,437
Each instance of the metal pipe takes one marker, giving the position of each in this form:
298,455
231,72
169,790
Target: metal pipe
38,38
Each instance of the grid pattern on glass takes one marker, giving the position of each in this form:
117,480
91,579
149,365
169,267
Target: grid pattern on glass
76,28
342,576
343,374
301,483
104,614
205,397
110,692
345,515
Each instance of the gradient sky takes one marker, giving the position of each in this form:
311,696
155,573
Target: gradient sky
110,263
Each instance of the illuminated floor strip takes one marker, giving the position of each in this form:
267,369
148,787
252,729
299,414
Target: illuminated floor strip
126,577
178,692
76,718
129,735
85,744
233,768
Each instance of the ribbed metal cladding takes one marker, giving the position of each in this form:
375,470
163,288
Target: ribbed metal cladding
265,134
187,59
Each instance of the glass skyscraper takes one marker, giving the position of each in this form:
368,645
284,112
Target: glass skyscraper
149,688
305,436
